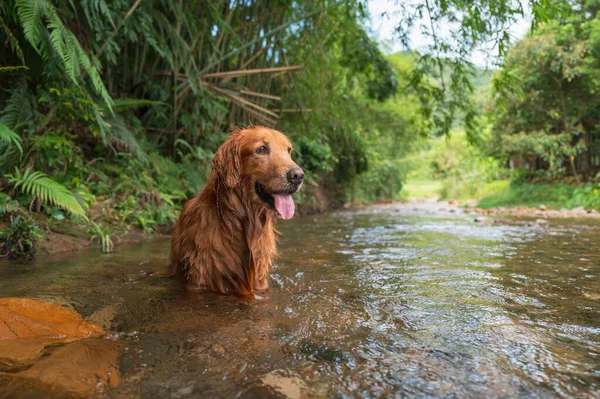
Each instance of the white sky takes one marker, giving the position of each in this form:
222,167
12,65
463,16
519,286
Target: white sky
383,28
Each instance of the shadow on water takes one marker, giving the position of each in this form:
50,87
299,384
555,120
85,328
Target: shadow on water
380,302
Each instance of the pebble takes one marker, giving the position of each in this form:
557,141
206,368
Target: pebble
218,349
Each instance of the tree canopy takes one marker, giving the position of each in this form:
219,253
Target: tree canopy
127,100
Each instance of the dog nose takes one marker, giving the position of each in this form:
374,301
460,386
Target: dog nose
295,175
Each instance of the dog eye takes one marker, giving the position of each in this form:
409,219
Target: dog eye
262,150
289,150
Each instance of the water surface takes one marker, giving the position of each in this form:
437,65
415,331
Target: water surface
383,302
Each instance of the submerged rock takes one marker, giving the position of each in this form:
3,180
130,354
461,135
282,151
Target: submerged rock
288,384
38,348
28,326
483,220
83,369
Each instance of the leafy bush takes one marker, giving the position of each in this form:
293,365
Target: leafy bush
588,197
19,239
555,150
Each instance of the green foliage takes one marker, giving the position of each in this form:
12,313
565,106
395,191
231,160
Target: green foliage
547,112
8,205
530,195
39,186
553,149
588,197
10,138
464,170
19,239
363,56
105,236
481,25
120,105
314,155
54,38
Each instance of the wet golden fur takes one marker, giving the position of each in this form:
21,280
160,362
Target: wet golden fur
225,237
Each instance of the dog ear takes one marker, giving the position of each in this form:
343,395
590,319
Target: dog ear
226,162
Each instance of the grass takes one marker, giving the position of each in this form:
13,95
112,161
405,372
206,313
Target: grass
530,195
421,189
467,190
499,193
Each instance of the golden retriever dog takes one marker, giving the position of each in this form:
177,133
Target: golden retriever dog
224,239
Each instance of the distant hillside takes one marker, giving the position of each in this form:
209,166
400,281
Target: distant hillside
481,77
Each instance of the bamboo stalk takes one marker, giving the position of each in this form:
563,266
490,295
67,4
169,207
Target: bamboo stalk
250,43
249,110
263,95
244,72
240,99
257,114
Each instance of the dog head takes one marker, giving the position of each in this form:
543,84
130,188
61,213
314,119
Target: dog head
260,158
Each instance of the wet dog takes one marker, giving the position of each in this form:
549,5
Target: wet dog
225,238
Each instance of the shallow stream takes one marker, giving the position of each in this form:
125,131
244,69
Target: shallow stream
387,301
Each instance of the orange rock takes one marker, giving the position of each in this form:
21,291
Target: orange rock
27,326
85,368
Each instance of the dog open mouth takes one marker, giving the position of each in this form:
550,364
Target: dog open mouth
282,202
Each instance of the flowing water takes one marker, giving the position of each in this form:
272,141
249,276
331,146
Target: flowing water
388,301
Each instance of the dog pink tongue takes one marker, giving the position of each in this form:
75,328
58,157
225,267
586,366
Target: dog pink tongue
284,205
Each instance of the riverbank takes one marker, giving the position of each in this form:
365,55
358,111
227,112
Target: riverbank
453,206
105,234
506,194
67,236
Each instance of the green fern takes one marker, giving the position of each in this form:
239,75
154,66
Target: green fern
9,157
37,184
17,109
123,137
10,138
97,10
60,39
31,13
